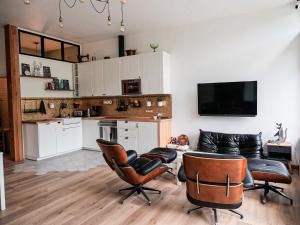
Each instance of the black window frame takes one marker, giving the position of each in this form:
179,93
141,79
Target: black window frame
43,46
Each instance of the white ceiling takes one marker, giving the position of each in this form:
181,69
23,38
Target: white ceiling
82,24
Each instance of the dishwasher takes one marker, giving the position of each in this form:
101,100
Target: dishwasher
108,130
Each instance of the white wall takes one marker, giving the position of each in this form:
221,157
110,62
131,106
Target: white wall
2,52
262,46
31,87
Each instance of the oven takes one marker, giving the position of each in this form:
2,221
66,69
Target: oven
108,130
131,87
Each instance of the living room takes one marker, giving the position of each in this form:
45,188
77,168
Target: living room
196,43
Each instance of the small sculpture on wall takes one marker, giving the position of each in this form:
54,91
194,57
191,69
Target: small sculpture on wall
281,134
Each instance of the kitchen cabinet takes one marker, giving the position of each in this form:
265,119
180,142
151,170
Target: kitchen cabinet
90,133
90,78
104,77
128,135
130,67
48,139
85,76
98,78
144,136
40,140
155,73
147,136
111,77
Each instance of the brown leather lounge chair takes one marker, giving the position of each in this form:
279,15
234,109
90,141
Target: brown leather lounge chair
215,181
133,170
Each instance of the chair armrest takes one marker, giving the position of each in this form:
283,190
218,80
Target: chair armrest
248,181
131,155
149,167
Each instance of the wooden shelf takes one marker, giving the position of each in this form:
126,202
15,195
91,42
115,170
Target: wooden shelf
58,90
39,77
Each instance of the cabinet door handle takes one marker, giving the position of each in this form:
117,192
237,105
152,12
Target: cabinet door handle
126,129
126,138
126,121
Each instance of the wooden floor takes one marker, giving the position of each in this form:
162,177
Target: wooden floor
91,198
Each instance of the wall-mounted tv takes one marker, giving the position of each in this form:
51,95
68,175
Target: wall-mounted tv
228,99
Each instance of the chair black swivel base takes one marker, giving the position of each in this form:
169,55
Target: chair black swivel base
138,189
267,188
215,213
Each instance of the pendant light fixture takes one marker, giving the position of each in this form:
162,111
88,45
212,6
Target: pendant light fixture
105,6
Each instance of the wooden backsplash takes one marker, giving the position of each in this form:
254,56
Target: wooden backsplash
107,110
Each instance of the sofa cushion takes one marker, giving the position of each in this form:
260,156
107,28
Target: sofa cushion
247,145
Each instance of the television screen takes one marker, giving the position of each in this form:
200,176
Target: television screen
227,99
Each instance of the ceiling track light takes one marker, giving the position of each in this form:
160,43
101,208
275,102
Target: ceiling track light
105,7
297,5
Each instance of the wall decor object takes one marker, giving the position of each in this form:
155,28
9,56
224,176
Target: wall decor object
46,71
37,68
281,134
84,58
160,101
130,52
99,6
66,85
154,46
55,83
25,69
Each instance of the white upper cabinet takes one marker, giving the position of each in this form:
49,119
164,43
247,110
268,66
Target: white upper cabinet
130,67
111,75
98,78
104,77
155,73
85,76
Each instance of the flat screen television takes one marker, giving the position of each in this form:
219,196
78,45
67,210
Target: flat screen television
228,99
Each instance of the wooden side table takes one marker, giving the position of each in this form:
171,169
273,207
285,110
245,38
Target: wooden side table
281,152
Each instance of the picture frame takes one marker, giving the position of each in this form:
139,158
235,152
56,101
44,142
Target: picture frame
25,69
46,71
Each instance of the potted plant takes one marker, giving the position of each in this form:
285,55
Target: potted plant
160,101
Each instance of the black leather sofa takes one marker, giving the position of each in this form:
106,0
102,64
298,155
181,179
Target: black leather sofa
251,147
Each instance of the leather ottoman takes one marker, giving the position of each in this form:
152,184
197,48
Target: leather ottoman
269,171
166,155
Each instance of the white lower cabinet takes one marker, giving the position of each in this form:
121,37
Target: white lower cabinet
148,136
138,136
47,139
90,133
72,138
44,140
129,143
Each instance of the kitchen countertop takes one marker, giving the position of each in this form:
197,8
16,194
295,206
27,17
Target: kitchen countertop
138,119
52,120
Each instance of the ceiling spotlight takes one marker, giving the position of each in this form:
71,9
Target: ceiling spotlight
123,1
297,5
82,1
122,28
61,23
27,2
108,21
